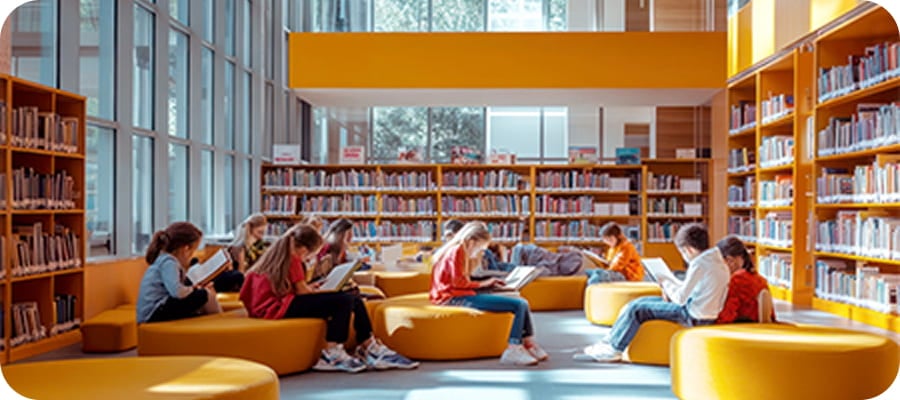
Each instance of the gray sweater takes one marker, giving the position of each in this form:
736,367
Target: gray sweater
163,279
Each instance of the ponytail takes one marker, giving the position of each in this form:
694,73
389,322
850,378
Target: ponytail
159,242
731,246
176,235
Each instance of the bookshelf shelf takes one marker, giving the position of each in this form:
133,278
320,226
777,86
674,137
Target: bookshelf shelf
855,257
51,343
774,208
839,206
748,131
780,292
46,212
773,248
676,217
777,169
861,94
667,194
742,174
585,216
27,150
857,155
741,208
481,192
780,122
587,192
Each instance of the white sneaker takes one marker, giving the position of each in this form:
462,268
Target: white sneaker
537,352
337,359
380,357
517,355
602,352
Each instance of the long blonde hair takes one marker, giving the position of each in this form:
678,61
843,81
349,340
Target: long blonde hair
475,230
275,263
242,238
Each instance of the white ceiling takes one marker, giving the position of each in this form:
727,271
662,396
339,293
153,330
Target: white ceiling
505,97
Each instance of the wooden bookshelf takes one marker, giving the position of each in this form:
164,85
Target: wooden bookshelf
684,169
41,286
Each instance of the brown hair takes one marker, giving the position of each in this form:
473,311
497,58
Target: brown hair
275,263
242,237
693,235
612,229
734,247
175,236
334,238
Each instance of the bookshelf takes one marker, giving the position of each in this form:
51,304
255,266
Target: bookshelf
677,193
42,147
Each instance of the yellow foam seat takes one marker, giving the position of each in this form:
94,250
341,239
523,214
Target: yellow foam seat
144,378
111,331
414,327
603,301
371,291
553,293
395,284
651,344
287,346
776,361
229,301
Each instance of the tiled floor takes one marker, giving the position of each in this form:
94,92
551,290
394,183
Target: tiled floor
561,333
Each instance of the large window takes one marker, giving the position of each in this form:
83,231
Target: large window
247,28
34,41
246,130
228,193
457,15
206,95
178,183
230,22
179,82
180,10
455,126
207,191
228,101
100,172
144,68
516,130
209,20
401,16
397,130
245,189
142,192
556,133
97,57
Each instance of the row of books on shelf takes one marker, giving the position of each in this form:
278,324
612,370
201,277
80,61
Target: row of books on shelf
386,231
587,180
778,192
507,231
776,268
26,324
868,184
35,251
343,205
743,226
548,205
662,232
673,206
34,129
3,259
743,117
775,151
672,183
411,180
776,107
32,190
578,232
66,316
874,125
479,180
775,229
741,160
310,179
861,233
393,205
865,287
877,64
2,191
742,195
493,205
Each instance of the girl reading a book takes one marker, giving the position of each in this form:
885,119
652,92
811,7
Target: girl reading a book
451,285
276,288
744,286
247,247
163,295
624,260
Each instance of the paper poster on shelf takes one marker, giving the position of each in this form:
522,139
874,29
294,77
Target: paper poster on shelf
583,154
353,155
285,154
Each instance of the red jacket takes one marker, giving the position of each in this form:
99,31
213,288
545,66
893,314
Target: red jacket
261,301
449,277
741,303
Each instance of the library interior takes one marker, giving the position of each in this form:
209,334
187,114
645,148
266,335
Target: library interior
441,199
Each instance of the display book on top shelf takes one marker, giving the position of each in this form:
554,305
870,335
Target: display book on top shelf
42,176
857,163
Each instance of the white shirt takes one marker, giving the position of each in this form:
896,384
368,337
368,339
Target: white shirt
706,285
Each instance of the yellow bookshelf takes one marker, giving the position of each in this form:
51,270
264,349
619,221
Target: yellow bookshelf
684,169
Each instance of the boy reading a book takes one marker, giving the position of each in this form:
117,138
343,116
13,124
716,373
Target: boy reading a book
624,262
693,302
163,295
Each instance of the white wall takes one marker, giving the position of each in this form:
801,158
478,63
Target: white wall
584,125
582,15
613,12
614,120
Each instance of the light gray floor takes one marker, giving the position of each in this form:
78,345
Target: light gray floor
561,333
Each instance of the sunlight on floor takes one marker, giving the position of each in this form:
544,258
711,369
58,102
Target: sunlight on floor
474,392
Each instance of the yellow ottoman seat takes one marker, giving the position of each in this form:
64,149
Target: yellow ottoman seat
287,346
651,344
553,293
144,378
395,284
110,331
775,362
414,327
229,301
603,301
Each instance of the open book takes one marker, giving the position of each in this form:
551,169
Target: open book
595,258
201,274
518,278
339,276
658,269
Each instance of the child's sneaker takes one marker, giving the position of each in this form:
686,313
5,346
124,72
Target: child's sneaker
603,352
380,357
517,355
537,352
336,359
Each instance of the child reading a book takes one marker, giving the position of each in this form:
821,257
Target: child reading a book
163,295
247,247
744,287
695,301
624,260
276,288
450,285
337,240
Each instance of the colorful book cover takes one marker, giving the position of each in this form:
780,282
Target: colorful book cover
583,154
628,155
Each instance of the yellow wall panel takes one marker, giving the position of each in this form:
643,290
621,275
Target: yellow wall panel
822,12
789,22
745,38
508,60
763,29
732,46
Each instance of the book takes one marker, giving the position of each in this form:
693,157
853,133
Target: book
519,277
582,154
658,270
595,258
201,274
339,276
628,156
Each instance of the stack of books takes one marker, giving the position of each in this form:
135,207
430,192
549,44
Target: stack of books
673,207
36,191
575,180
878,63
34,129
742,195
775,151
777,193
863,233
874,125
776,268
744,227
412,206
506,231
64,309
743,117
662,232
37,252
312,180
508,205
867,287
775,229
672,184
26,324
777,107
501,180
390,232
741,160
413,180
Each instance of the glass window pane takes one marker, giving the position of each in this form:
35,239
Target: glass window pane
206,191
245,133
401,15
247,26
230,20
246,189
209,20
142,192
206,95
398,129
228,100
178,183
143,68
180,10
556,132
34,42
458,15
97,57
100,189
319,140
270,120
270,40
229,194
179,82
558,18
331,16
455,126
515,15
516,130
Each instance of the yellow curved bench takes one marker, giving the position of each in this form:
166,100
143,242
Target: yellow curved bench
414,327
229,301
651,344
553,293
144,378
775,362
287,346
110,331
603,301
395,284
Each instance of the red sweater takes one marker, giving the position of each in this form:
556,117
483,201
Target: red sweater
261,301
449,278
741,302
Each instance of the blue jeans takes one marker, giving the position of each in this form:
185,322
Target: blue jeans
645,309
521,327
603,275
493,262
